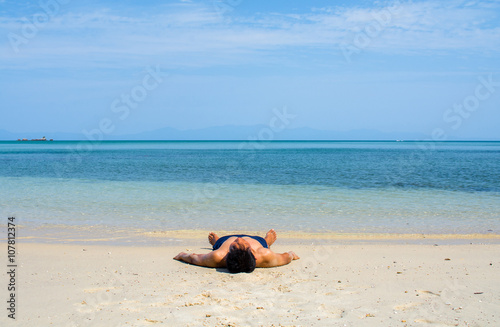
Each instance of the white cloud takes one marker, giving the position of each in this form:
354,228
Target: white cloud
188,34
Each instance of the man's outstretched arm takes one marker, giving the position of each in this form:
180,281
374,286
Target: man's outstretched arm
213,259
272,259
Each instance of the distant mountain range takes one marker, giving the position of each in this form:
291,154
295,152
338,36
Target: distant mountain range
254,132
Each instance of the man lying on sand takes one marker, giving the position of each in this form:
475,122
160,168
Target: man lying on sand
240,253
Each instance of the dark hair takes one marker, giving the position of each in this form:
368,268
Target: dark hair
240,261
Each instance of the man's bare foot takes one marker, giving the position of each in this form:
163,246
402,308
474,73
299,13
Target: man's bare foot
212,238
270,237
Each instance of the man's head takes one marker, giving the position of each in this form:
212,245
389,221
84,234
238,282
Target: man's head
240,257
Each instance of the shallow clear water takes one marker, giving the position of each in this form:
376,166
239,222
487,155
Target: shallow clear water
450,187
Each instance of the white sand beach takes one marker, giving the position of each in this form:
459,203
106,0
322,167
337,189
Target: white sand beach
362,283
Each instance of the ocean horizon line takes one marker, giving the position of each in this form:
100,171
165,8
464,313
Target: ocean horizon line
260,141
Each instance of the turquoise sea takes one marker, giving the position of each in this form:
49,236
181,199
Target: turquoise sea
337,186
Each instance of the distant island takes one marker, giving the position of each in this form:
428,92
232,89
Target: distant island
42,139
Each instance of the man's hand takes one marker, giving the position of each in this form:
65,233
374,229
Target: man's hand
181,256
294,256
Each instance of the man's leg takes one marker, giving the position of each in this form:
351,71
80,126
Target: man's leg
212,238
270,237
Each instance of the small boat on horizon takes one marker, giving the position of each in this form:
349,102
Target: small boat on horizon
42,139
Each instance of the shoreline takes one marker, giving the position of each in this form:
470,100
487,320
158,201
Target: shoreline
89,234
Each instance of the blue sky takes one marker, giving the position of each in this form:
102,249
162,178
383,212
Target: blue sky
394,66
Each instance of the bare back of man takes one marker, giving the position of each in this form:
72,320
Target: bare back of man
264,257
